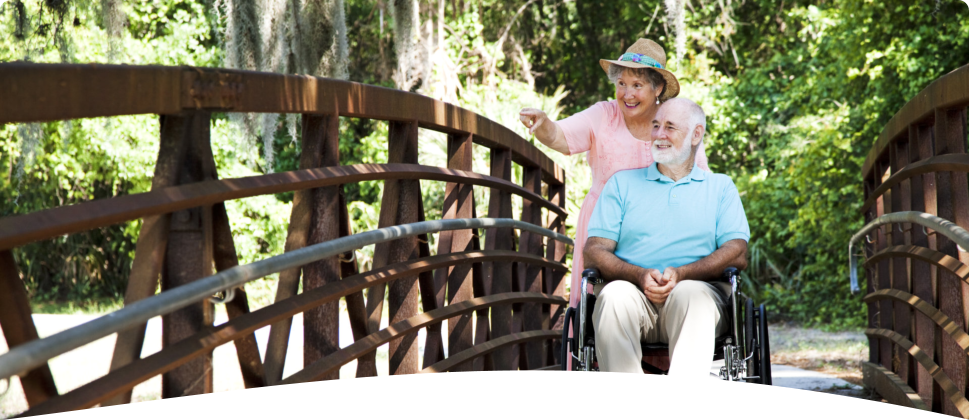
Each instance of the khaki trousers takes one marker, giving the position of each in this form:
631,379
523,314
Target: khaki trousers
689,321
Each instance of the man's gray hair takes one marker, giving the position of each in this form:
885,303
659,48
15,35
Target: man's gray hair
647,73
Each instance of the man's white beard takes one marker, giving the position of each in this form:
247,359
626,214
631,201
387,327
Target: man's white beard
672,156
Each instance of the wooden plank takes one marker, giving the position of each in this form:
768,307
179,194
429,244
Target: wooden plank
532,244
555,280
883,275
482,288
953,199
356,306
152,242
321,326
458,204
18,328
499,273
46,224
870,182
399,204
34,92
311,153
432,297
187,259
901,201
53,92
891,387
247,350
921,270
223,254
926,150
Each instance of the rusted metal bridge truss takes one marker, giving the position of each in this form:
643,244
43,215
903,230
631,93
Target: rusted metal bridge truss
512,283
917,208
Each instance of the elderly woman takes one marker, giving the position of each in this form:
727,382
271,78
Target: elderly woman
615,133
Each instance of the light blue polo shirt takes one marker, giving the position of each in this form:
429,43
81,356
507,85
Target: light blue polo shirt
659,223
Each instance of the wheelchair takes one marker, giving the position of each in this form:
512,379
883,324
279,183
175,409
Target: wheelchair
744,349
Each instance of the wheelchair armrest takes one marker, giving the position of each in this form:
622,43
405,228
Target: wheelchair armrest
730,272
592,276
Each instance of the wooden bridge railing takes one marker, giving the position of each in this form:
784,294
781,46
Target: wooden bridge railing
185,243
917,209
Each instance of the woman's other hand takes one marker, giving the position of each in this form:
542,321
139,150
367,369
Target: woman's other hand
545,130
532,118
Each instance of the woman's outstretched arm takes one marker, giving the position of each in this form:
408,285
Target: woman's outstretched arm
544,129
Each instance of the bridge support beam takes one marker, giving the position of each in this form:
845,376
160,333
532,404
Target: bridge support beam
321,325
189,257
923,199
458,204
499,273
399,204
554,279
953,204
18,328
532,275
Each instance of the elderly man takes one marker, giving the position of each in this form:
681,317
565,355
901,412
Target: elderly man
660,237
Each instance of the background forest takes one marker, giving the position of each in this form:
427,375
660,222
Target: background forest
796,93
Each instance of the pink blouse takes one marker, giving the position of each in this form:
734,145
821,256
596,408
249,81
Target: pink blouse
601,131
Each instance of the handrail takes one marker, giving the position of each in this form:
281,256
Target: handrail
53,92
936,223
170,357
22,358
945,92
954,162
19,230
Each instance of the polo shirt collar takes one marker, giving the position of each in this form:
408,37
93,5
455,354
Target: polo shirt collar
653,174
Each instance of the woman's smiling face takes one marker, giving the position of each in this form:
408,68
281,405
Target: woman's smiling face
635,95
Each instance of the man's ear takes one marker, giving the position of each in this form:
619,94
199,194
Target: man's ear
698,132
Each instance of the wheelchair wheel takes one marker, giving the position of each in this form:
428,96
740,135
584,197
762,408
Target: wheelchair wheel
750,341
566,353
765,373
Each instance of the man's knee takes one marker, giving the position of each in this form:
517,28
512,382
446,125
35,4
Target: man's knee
692,289
618,297
618,289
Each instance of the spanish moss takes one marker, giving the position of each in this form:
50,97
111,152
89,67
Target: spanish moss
674,15
113,18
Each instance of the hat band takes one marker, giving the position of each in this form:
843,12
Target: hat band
641,59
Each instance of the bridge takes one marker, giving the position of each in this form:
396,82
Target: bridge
917,208
503,298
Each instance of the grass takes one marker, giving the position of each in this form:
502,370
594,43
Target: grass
837,353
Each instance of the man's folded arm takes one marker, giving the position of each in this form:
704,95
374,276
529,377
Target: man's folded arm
600,254
733,253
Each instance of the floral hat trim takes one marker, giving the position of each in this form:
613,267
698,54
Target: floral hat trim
640,59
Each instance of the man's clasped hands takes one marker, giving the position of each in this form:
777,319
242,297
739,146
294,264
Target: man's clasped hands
657,285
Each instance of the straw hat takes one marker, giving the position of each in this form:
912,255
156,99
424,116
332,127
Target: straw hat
646,53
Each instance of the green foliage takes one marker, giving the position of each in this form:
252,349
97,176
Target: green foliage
793,123
796,92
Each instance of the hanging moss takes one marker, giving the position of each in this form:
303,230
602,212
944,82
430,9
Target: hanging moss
674,15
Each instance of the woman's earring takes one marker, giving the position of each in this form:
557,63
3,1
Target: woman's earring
657,100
